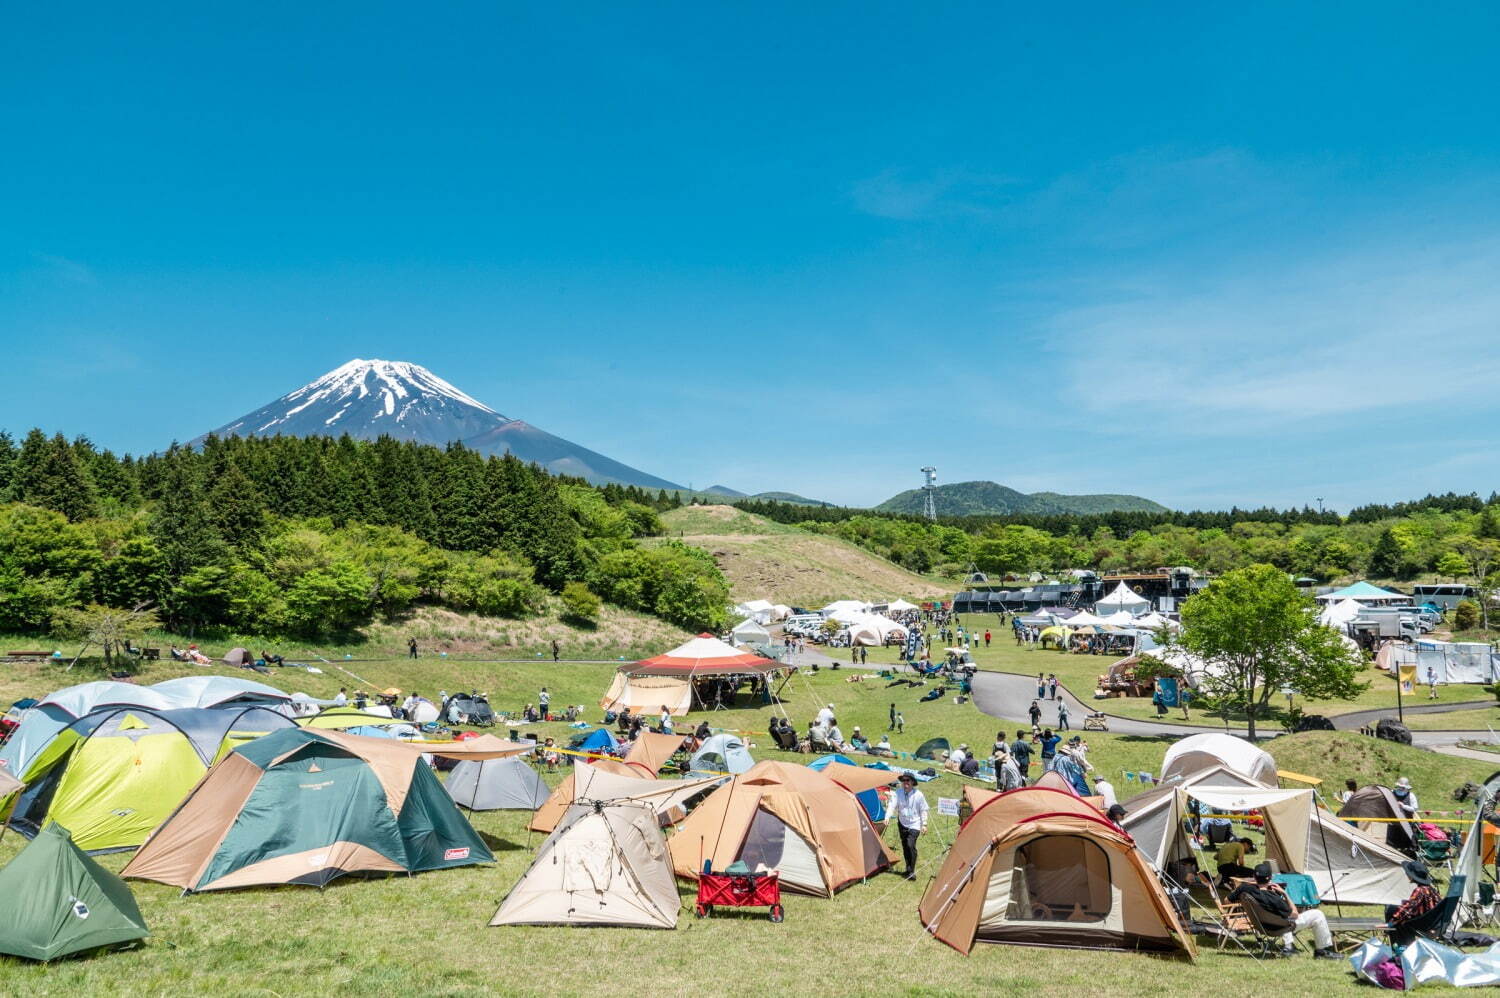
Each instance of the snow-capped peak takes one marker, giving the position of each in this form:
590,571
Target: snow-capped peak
394,380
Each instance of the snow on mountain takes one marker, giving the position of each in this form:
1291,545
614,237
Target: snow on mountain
370,398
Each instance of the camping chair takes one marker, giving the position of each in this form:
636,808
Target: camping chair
1437,924
1234,924
1268,928
1434,852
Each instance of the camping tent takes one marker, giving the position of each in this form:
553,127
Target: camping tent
875,631
1346,866
870,800
59,901
220,691
780,611
1122,598
667,679
721,753
114,775
750,632
1039,867
304,807
496,785
807,825
604,864
602,781
1376,801
1199,752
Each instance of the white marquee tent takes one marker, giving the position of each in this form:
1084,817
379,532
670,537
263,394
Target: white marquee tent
1123,598
750,632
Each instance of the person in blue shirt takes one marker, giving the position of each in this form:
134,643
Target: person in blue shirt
1049,749
1067,766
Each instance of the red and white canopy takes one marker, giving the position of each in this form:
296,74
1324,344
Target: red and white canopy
705,655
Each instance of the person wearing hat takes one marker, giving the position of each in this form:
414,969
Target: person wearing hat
1424,897
1066,766
1007,773
857,741
1116,816
1405,798
1271,899
911,820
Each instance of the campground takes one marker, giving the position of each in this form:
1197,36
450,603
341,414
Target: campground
429,932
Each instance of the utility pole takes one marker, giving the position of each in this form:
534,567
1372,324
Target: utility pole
929,493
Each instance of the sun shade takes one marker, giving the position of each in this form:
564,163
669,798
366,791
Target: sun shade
705,655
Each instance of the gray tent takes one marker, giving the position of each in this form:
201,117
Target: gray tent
496,785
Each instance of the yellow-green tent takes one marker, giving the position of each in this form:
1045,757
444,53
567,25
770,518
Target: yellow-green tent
113,775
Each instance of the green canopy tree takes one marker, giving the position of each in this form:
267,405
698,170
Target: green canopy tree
47,473
1258,633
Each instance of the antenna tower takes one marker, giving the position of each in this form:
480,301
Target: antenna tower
929,493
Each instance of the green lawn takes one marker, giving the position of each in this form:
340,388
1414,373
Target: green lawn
1457,720
428,933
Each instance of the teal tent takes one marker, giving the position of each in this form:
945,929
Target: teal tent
55,900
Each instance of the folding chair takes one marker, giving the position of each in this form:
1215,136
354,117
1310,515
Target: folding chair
1268,928
1436,924
1233,921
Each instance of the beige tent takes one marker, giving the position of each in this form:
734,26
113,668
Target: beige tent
1213,748
604,865
648,753
594,782
875,631
806,824
649,694
1301,837
1038,867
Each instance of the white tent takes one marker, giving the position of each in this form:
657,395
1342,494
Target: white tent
1120,618
759,610
780,611
1338,615
844,615
1200,752
900,604
604,864
750,632
1084,619
874,631
845,606
1155,621
1123,598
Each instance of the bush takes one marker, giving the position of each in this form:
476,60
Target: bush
1466,615
579,602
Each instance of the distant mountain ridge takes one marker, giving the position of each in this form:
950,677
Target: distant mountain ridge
368,399
994,499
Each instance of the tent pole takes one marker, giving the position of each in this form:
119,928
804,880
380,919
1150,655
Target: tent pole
1332,883
478,776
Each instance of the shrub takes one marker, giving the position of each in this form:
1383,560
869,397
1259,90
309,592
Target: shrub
1466,615
579,602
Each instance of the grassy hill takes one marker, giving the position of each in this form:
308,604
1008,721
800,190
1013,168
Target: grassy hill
766,560
982,498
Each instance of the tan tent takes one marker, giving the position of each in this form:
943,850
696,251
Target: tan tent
647,754
591,781
604,865
1039,867
806,824
1214,748
649,694
650,751
1376,801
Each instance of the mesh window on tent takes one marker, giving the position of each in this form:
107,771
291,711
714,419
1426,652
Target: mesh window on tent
1060,878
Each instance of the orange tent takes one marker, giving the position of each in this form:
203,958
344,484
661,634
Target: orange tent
1040,867
803,823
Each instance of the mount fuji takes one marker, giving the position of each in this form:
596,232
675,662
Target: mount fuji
370,398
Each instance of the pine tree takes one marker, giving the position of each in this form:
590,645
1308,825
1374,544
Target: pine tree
47,474
236,509
182,524
7,464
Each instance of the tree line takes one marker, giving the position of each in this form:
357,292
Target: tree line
315,536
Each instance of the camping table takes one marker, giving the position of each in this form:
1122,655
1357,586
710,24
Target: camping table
1301,888
1349,933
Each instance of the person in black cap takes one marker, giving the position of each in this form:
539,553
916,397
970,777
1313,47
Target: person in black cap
1424,897
1116,816
1271,899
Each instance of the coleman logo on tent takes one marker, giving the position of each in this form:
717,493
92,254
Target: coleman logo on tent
319,860
456,853
123,812
80,909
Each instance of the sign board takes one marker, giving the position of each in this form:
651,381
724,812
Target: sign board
948,806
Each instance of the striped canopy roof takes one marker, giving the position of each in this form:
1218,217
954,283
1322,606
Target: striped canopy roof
705,655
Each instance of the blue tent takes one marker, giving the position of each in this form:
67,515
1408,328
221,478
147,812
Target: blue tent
598,740
868,799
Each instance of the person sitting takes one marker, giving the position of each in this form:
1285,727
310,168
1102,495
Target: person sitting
571,714
550,755
857,741
1231,860
954,762
1272,899
883,747
1116,816
1424,897
969,767
702,731
178,656
835,736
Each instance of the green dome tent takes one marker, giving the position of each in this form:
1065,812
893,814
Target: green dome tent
71,903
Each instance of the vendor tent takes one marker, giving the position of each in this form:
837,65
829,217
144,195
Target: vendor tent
750,632
1039,867
1199,752
875,631
759,610
600,781
304,807
1339,615
845,606
806,825
1122,598
1302,838
114,775
666,679
899,605
496,785
721,753
58,901
1378,802
648,694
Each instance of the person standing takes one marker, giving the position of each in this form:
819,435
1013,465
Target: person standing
911,820
893,718
411,647
1431,683
1020,751
1052,684
1036,714
864,655
1041,687
1062,715
986,637
1049,743
556,649
544,700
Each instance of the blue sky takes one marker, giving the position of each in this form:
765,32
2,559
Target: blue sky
1212,256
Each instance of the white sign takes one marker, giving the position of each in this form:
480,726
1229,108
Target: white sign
948,805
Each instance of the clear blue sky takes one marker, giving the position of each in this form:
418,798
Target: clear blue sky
1211,254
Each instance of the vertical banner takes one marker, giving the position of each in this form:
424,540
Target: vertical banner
1407,676
1168,687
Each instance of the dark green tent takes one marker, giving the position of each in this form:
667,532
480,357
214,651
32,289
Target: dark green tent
57,901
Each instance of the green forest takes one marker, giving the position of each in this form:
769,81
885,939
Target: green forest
319,536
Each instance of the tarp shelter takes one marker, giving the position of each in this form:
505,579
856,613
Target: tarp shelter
750,632
1302,838
1200,752
1122,598
721,753
496,785
1364,592
806,825
876,631
305,807
600,781
58,901
1039,867
1376,801
114,775
604,864
667,679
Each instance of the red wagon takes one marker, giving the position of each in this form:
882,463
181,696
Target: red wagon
739,890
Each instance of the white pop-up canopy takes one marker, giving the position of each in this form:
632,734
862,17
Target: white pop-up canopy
750,632
900,604
845,606
1123,598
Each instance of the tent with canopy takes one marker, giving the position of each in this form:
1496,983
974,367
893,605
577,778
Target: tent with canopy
899,606
667,679
1339,615
1365,593
1122,598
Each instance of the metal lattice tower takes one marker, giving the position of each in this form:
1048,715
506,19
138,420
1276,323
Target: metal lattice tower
929,493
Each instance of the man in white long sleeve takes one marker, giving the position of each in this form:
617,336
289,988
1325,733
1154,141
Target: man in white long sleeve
911,820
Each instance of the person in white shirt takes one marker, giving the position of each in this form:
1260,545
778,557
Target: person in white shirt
835,736
1405,798
408,705
342,699
1103,788
825,716
911,820
666,720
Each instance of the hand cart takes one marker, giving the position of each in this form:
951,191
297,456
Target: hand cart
739,890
